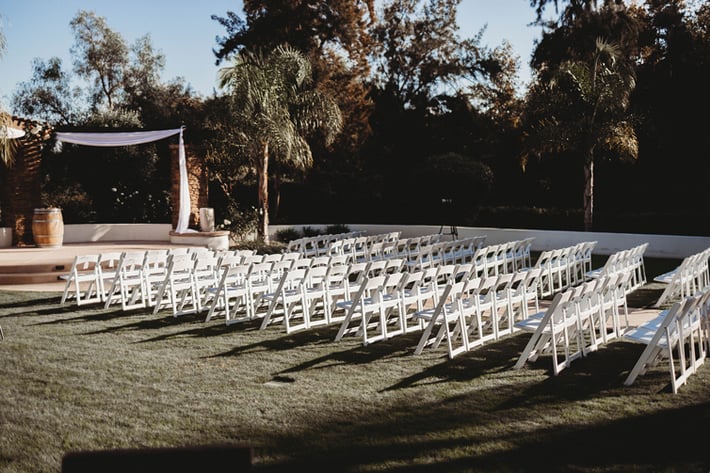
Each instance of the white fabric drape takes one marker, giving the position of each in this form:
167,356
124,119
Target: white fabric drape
134,138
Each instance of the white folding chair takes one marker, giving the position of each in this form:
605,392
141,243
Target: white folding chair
545,285
177,289
376,306
334,288
287,302
262,280
108,266
676,335
84,280
445,321
502,311
555,332
315,303
588,304
390,319
233,295
479,310
153,270
367,299
128,286
205,275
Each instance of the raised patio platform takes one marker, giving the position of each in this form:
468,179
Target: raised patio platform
218,240
38,269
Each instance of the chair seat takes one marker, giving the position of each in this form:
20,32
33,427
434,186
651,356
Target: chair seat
531,323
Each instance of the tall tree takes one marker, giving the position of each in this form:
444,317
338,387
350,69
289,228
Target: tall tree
670,96
419,54
334,37
48,95
101,57
583,108
7,146
277,107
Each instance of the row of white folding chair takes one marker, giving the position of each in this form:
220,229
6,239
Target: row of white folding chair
563,267
689,278
388,305
317,245
444,252
364,248
501,258
473,312
409,247
88,277
91,276
322,295
463,250
186,283
367,248
306,297
494,259
139,275
371,248
679,335
629,260
235,256
243,289
523,253
420,252
384,305
578,321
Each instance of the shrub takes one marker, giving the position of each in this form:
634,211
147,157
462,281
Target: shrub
310,231
336,229
240,222
286,235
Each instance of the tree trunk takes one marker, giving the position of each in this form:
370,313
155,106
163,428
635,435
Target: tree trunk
588,193
263,194
277,196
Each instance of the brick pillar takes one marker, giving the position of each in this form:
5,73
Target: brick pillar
21,188
197,183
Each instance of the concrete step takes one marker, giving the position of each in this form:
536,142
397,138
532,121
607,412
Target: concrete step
30,277
59,267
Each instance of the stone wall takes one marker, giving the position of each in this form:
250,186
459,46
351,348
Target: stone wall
21,185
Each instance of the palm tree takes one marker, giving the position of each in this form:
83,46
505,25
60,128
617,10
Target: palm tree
583,108
7,145
277,109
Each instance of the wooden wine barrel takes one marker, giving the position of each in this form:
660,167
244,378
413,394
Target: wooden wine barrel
48,228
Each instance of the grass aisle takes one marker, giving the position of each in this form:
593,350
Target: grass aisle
87,378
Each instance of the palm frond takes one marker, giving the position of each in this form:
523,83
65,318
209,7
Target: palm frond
8,146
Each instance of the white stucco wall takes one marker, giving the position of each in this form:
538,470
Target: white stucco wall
660,246
92,232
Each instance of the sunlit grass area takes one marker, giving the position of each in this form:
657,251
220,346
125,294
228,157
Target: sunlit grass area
87,378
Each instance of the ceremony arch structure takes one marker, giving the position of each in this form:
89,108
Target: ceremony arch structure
21,181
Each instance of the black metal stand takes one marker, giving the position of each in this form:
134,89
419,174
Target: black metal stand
453,231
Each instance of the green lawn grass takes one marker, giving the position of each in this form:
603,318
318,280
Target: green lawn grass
86,379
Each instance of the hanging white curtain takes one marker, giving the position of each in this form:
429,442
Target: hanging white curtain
135,138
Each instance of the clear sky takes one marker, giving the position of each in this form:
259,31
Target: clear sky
185,34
